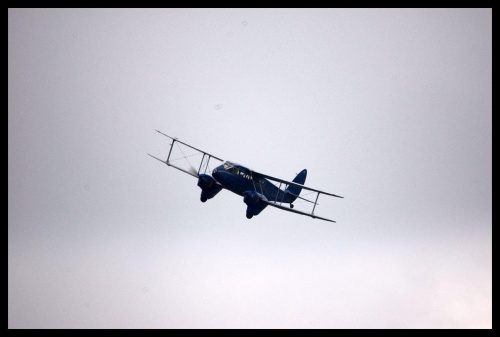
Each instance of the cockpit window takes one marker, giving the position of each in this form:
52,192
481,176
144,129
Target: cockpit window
231,168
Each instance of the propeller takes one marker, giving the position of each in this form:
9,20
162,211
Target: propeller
193,170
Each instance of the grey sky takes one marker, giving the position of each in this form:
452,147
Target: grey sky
390,108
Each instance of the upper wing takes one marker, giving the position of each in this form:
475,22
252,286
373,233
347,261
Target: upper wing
277,203
187,158
261,175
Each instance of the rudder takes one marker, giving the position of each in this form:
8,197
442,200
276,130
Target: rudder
292,192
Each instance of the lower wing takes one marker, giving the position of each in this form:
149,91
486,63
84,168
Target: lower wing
295,211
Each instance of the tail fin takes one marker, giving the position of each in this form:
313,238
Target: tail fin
292,192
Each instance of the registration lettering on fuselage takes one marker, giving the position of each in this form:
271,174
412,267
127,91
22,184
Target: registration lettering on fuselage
245,175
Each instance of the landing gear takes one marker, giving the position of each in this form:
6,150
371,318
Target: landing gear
249,216
203,198
291,205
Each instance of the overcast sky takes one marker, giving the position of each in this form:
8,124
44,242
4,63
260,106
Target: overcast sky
390,108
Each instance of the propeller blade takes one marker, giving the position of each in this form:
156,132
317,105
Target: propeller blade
193,171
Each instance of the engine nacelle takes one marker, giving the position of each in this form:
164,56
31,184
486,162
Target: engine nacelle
209,187
255,203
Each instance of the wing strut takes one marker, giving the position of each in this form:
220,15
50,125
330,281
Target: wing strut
277,203
315,203
188,167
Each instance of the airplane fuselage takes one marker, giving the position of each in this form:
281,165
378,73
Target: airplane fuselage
238,179
258,189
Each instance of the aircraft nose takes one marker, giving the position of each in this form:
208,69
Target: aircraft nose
217,174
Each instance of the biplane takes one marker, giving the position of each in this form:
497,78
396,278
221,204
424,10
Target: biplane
257,189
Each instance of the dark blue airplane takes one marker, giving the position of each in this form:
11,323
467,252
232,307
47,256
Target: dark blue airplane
256,188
